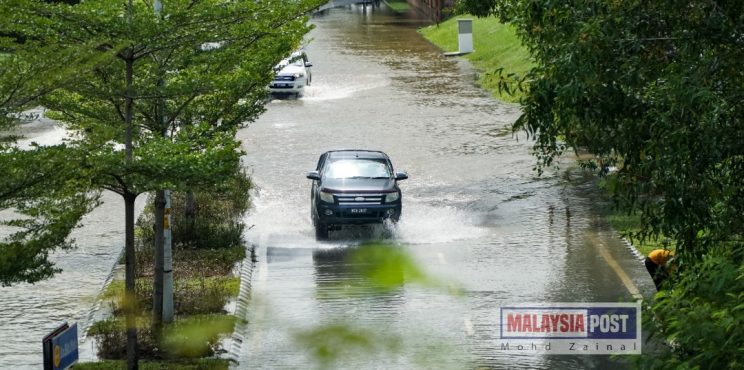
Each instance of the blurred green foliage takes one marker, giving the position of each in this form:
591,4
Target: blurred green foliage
329,344
379,267
386,266
196,336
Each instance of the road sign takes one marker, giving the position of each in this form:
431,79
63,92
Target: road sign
61,348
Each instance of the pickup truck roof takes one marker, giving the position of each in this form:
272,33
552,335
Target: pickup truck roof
357,153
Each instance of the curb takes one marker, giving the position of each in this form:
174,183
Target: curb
96,308
636,253
241,306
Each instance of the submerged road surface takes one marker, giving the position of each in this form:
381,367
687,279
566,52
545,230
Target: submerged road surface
476,218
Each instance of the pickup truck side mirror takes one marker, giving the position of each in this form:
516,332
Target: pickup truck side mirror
308,64
402,175
313,175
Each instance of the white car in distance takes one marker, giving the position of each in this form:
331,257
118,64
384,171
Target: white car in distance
293,74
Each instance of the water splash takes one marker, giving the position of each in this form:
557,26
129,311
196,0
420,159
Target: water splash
426,224
343,87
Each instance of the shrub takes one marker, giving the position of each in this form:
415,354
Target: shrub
111,339
202,219
211,219
701,316
185,338
191,296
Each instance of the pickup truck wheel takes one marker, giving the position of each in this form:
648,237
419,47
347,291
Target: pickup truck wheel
395,218
321,231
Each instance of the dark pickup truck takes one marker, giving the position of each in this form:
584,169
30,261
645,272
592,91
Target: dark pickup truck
354,187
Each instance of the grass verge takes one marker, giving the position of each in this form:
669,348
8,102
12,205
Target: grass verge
193,295
628,225
496,46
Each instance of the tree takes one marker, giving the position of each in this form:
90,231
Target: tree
37,189
47,205
208,61
654,87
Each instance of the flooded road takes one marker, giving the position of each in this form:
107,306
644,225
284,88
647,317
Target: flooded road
475,215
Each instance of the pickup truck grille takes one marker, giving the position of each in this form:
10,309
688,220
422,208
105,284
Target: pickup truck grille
359,199
284,78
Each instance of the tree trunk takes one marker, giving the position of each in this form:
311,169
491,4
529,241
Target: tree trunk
131,299
189,217
190,208
157,297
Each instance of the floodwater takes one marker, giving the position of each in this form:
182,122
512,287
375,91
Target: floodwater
475,215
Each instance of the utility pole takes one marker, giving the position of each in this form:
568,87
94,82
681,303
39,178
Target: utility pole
167,261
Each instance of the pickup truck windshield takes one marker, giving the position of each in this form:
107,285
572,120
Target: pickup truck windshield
357,169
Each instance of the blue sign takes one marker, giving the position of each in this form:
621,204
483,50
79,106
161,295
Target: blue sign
65,348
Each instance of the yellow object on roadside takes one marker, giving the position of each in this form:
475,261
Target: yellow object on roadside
660,256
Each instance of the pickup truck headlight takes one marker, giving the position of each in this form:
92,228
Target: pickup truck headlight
298,75
392,197
326,197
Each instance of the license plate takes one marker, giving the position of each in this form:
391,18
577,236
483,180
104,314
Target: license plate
358,210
